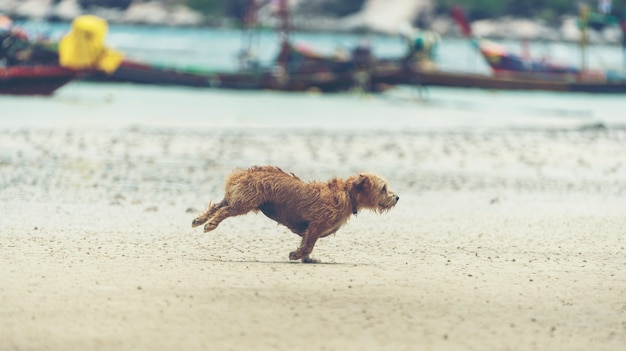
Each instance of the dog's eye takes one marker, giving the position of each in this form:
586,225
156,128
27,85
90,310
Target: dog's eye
384,189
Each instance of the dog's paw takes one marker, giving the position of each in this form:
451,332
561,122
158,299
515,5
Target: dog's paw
295,255
196,222
310,260
210,226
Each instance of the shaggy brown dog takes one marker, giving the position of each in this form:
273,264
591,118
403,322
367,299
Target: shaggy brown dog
311,210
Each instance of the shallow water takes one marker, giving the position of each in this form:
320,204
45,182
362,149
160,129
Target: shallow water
433,109
82,104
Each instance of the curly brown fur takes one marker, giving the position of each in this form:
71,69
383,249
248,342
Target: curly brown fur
312,210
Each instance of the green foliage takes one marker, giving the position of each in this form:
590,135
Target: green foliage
220,8
549,10
209,7
474,9
532,8
341,7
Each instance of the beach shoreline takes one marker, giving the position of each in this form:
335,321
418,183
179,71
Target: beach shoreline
511,240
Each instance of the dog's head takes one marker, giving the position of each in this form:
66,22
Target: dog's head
372,192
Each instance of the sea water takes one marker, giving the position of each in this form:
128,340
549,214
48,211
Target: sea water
400,109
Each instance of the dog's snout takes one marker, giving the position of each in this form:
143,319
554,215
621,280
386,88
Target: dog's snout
397,198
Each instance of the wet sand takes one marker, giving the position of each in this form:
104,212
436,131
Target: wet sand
505,240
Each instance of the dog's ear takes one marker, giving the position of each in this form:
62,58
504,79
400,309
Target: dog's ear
360,182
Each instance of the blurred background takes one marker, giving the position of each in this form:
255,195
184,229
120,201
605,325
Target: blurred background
207,70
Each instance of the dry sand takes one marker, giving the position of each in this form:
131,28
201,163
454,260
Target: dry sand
503,241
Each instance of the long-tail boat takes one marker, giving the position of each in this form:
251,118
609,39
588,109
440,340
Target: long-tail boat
34,80
34,67
511,71
28,67
299,69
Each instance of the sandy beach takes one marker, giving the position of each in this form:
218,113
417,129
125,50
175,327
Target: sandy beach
511,240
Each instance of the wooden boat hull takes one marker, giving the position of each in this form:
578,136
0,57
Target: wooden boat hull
141,73
399,76
381,77
461,80
33,80
135,72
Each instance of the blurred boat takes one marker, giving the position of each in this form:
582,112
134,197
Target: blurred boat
296,67
28,67
33,80
522,72
300,68
328,75
38,67
482,81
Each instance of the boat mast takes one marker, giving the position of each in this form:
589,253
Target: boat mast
284,28
250,22
584,20
249,34
622,25
283,13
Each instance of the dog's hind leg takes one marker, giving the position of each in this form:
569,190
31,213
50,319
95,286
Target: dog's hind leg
208,213
222,213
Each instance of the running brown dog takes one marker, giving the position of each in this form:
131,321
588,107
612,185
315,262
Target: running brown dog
311,210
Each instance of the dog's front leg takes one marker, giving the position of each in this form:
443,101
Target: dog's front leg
308,242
